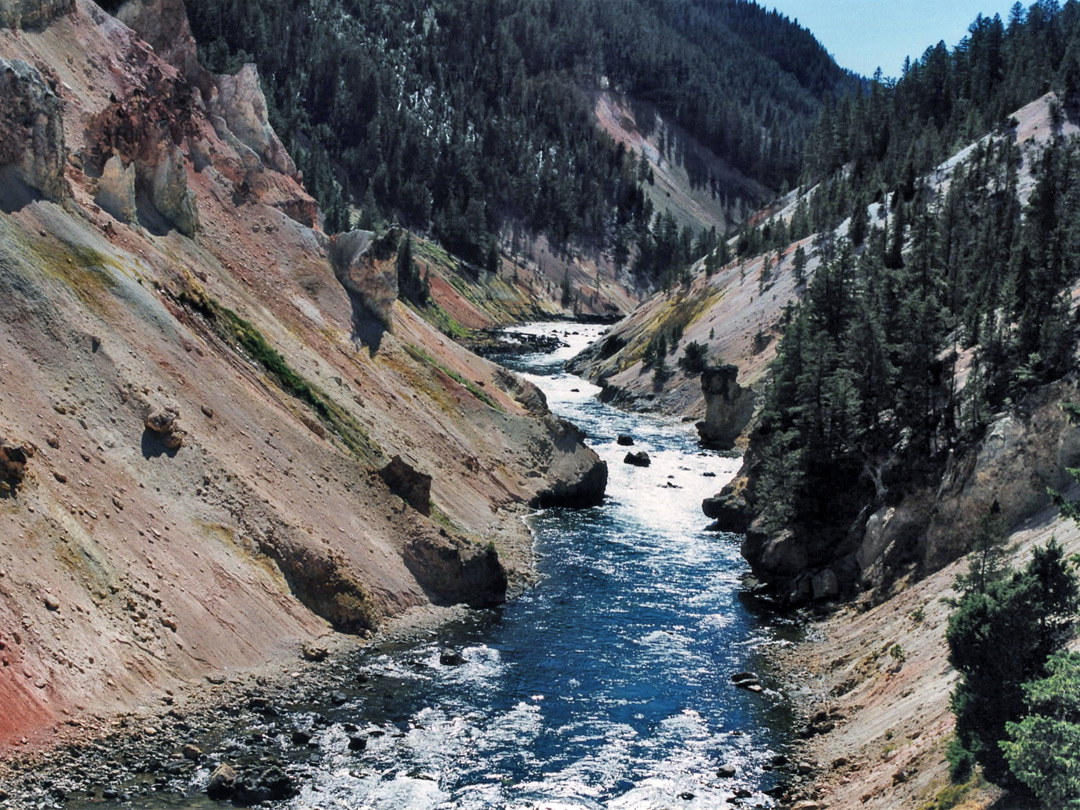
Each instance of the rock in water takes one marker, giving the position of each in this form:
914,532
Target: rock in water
638,459
730,510
451,658
268,785
222,782
625,441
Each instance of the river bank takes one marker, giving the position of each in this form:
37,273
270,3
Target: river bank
139,752
609,685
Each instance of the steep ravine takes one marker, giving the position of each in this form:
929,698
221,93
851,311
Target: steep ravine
211,452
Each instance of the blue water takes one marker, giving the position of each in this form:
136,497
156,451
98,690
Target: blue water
608,685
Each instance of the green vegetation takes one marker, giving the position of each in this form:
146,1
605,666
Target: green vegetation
243,335
1043,751
864,396
463,119
1002,634
695,358
412,287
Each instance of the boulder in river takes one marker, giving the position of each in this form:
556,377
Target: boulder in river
270,784
625,441
638,459
451,658
222,781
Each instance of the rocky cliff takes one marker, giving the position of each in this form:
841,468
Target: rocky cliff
196,417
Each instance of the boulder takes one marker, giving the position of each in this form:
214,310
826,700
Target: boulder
408,483
222,781
451,658
170,194
372,280
728,407
32,151
638,459
14,457
730,511
624,441
163,423
32,14
162,420
116,189
270,784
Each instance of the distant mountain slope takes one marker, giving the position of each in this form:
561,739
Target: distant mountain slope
467,119
933,294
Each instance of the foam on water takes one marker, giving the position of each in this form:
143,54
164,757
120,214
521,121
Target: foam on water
606,686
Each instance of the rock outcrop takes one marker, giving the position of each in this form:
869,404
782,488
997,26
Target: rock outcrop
576,475
170,193
729,510
32,152
363,266
14,456
163,24
411,485
116,189
241,107
1023,454
455,571
32,14
728,407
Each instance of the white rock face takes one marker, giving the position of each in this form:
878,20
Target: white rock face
116,189
171,195
241,105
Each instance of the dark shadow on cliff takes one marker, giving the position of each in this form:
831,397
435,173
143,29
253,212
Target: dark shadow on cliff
367,329
14,193
153,446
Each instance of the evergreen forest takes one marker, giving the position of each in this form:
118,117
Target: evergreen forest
466,119
935,304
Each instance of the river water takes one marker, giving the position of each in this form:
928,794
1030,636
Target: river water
608,685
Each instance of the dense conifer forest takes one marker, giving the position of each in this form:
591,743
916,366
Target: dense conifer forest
465,118
931,281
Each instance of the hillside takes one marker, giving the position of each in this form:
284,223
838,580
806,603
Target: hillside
214,450
908,317
477,125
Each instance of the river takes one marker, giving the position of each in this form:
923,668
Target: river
608,685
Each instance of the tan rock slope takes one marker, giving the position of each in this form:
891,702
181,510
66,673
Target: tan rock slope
193,410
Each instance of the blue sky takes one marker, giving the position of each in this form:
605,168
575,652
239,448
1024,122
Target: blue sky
865,34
